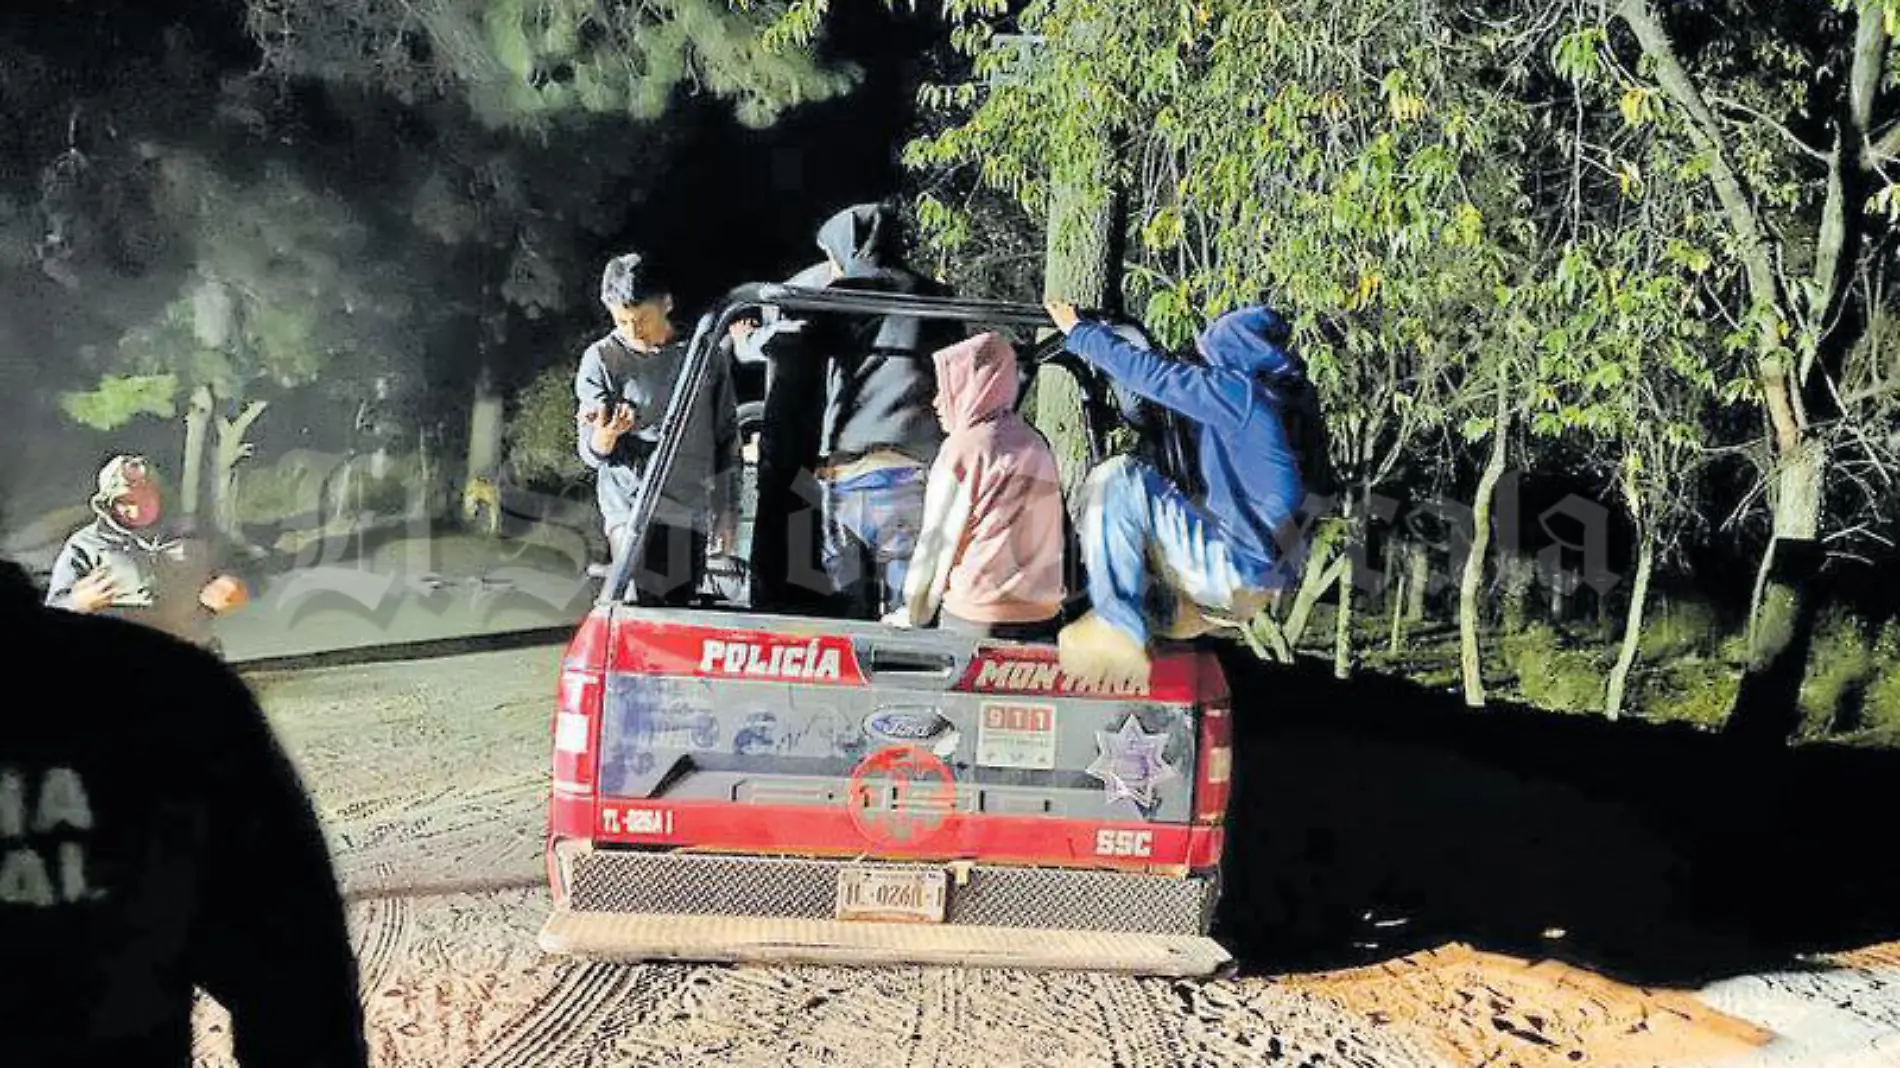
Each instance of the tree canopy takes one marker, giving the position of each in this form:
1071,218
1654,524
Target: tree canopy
525,62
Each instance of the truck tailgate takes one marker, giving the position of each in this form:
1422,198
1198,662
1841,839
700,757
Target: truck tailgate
742,734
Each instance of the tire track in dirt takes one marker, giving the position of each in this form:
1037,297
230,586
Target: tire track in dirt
936,1016
489,838
1141,1039
380,927
552,1030
460,861
1224,1022
382,922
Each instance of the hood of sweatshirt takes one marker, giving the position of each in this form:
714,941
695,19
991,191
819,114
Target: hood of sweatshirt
1251,340
977,380
857,238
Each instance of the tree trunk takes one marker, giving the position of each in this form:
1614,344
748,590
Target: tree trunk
422,492
1396,604
1639,596
1559,595
1389,573
419,545
1081,265
1632,629
1797,523
1470,588
1418,584
1322,570
1518,576
1757,598
1342,625
197,432
1766,706
232,450
485,426
1781,630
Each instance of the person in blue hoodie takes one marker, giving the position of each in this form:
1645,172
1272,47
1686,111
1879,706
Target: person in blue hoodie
1232,552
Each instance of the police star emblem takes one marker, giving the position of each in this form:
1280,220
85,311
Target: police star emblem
1129,763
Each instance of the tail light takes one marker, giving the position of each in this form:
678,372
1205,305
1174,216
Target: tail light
1214,778
577,729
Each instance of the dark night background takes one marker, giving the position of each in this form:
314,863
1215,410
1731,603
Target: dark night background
713,203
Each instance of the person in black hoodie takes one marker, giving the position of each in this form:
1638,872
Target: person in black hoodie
153,838
880,431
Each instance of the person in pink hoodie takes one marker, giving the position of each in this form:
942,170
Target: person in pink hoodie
991,552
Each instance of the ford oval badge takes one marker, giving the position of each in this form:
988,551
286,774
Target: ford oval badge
906,725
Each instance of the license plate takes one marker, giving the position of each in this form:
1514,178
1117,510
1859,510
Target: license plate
891,895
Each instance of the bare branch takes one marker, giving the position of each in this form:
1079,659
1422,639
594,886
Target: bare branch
1795,142
1884,149
1867,393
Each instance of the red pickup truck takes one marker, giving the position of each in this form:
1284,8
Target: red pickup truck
730,786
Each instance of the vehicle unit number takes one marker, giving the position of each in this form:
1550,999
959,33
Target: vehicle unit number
636,821
1110,843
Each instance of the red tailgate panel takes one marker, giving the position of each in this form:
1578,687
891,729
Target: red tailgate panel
848,743
831,832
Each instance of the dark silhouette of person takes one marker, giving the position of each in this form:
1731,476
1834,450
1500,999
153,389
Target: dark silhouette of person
155,838
787,538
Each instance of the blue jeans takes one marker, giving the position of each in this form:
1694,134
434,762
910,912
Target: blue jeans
1137,526
871,528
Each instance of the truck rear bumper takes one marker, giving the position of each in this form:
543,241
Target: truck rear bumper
632,905
781,940
805,888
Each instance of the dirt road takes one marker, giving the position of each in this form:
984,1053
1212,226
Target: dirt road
431,778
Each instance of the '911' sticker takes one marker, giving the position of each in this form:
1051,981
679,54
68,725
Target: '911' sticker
1013,735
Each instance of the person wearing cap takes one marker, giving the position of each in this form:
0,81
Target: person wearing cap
624,385
127,562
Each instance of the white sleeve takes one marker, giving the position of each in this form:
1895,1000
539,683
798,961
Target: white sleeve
947,506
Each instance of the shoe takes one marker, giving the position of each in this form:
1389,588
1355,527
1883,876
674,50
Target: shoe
1095,651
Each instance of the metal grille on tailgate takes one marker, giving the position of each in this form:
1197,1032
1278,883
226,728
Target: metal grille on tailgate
642,882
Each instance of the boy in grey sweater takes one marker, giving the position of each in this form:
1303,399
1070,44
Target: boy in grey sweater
624,386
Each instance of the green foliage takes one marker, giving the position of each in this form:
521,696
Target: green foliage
1363,179
284,287
1880,709
269,494
392,494
523,63
1840,665
1433,204
1676,629
119,399
1852,684
541,432
1697,692
1552,673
